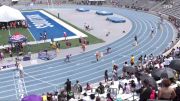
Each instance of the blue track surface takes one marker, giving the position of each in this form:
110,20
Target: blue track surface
44,77
53,29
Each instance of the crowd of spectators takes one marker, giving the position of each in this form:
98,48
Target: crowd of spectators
13,24
127,82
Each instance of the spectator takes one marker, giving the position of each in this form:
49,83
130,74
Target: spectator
115,67
120,86
153,94
125,64
98,98
133,85
58,45
70,94
20,68
132,60
140,59
109,98
145,58
68,85
100,89
54,96
165,92
88,87
49,97
10,53
68,43
106,75
177,90
124,69
145,91
44,97
115,74
78,88
92,97
126,88
62,96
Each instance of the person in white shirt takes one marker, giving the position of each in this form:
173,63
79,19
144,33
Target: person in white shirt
20,68
170,58
126,88
176,51
166,62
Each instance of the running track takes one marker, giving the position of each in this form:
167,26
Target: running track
45,77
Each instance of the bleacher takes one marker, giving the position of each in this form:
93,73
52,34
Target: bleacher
5,2
136,4
172,8
174,11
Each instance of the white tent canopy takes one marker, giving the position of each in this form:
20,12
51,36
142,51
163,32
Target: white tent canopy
8,14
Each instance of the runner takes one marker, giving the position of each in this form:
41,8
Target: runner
152,32
97,55
135,41
67,59
108,50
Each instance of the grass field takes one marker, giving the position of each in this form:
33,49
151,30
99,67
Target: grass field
4,34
